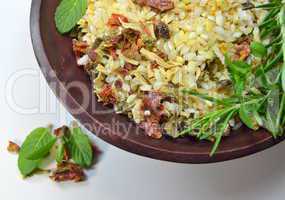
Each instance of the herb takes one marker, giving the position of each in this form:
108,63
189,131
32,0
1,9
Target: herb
39,143
259,98
35,147
80,148
68,13
27,167
258,49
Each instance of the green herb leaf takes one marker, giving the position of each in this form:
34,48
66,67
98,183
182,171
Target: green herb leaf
258,49
68,13
27,167
59,153
283,77
239,72
80,148
39,141
272,110
246,114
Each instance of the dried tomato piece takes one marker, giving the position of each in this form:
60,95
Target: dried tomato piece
126,69
68,171
119,84
242,49
152,102
61,131
107,94
79,48
13,147
93,55
152,127
116,20
160,5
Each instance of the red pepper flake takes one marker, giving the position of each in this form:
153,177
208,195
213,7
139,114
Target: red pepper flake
68,171
107,94
13,147
116,20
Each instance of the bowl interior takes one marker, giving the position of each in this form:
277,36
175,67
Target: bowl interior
73,88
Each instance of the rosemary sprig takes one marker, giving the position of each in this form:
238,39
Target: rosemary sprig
265,109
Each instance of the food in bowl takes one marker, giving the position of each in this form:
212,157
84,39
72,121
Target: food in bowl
181,67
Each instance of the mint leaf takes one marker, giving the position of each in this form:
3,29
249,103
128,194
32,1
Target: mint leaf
80,148
68,13
27,167
38,143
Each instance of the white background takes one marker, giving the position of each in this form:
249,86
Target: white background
119,175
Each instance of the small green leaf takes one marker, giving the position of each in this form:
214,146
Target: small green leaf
68,13
258,49
39,143
27,167
246,114
239,72
80,148
59,153
272,111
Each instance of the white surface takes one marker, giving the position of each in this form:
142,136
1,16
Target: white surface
119,175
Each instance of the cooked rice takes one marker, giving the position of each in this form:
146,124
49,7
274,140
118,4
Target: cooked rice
201,33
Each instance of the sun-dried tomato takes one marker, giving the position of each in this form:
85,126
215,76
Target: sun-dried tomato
68,171
13,147
107,94
79,48
116,20
242,49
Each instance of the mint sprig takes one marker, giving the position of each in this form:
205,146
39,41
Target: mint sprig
68,13
39,143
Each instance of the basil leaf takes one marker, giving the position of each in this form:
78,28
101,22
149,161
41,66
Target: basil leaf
246,114
80,148
68,13
59,153
258,49
38,143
